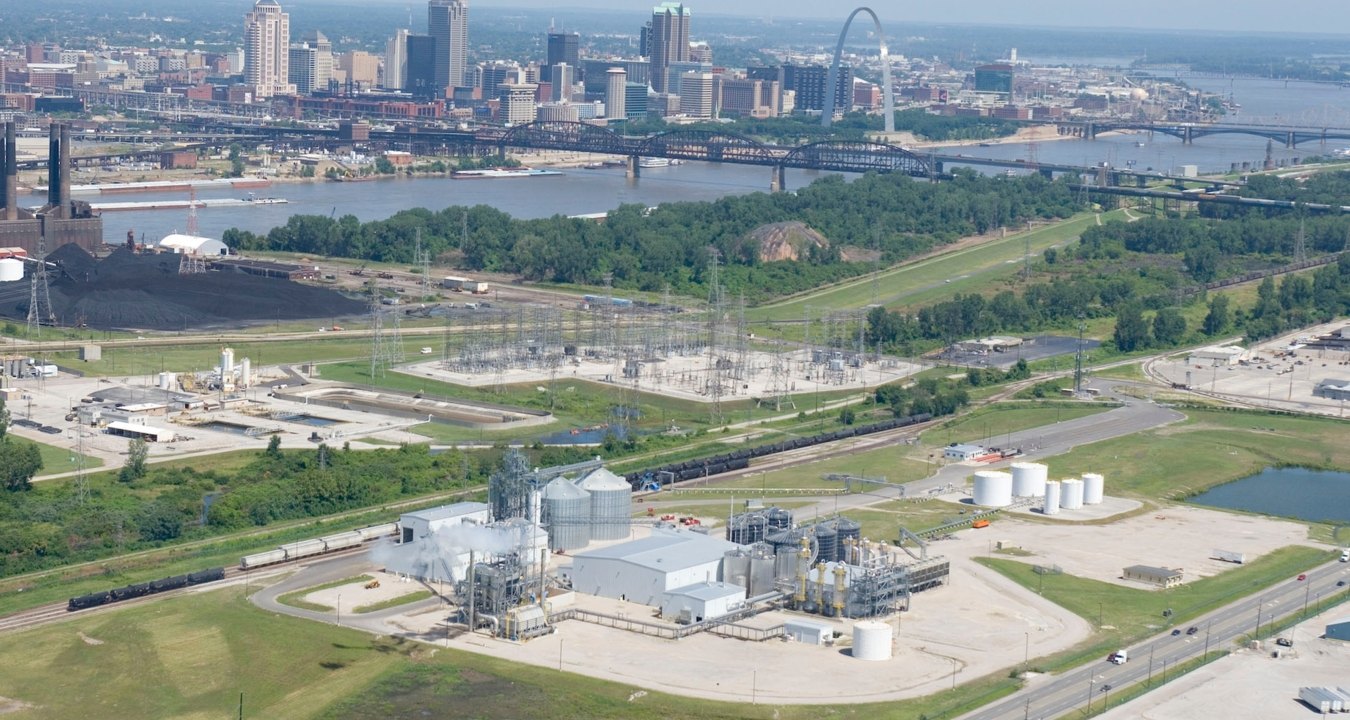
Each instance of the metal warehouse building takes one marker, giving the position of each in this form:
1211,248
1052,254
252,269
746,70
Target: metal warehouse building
643,571
1339,629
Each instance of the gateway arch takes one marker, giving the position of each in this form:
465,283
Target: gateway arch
887,92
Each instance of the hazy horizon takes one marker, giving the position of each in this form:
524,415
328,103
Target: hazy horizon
1312,16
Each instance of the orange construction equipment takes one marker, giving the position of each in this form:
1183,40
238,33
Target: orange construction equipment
980,524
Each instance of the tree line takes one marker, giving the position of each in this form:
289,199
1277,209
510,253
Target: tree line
893,216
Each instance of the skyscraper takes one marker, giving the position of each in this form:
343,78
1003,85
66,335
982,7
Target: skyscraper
448,22
267,40
396,60
421,77
667,41
563,47
311,64
616,94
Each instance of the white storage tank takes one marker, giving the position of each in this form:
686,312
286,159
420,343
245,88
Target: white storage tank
1094,489
11,270
611,504
872,639
1051,506
167,380
1071,494
246,373
1029,479
993,488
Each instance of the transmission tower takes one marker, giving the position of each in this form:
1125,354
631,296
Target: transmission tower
385,345
424,264
39,296
714,319
779,374
1300,244
1078,358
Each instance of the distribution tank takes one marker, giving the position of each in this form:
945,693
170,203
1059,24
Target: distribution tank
736,568
1094,489
1071,494
1051,506
566,510
1029,479
872,640
611,504
993,488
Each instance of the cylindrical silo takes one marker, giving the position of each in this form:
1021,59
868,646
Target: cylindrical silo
848,529
736,568
245,373
1029,479
611,504
1071,494
993,488
167,380
1051,506
566,511
872,640
1094,489
827,539
763,569
779,519
11,270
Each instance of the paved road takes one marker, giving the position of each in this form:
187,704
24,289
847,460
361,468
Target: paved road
326,571
1150,659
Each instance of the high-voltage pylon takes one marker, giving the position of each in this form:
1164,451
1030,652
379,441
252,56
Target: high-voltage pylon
1300,244
778,396
423,257
386,347
715,306
1078,359
39,296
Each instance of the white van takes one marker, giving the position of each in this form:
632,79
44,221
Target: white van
1345,555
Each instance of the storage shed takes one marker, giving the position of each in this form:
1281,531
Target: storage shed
192,245
1160,576
702,601
808,631
962,453
421,524
644,570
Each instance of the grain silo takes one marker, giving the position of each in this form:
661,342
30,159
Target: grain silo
611,504
566,513
993,488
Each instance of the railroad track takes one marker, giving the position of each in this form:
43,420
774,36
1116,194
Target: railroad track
56,612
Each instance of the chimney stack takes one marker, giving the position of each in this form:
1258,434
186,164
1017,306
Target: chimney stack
65,171
11,173
54,165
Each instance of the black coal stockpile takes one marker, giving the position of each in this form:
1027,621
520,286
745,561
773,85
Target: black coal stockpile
127,290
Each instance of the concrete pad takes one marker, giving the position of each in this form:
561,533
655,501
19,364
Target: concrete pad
353,595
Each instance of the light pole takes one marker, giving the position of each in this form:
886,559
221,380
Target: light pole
1150,665
1091,682
953,672
339,609
1207,626
1026,652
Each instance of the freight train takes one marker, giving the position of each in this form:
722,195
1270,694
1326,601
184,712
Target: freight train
317,546
142,589
740,459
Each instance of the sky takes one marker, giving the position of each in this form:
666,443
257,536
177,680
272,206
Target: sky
1298,16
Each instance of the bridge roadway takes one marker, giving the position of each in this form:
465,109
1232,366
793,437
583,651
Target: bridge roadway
1217,198
1290,136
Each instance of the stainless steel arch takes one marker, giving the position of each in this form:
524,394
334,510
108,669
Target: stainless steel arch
887,92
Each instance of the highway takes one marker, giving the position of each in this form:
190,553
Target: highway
1093,683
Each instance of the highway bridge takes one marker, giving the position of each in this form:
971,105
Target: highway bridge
1290,136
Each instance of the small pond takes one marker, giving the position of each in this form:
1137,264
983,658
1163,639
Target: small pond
1311,495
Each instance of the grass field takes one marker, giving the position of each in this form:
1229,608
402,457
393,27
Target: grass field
205,355
57,459
1124,614
970,269
1211,447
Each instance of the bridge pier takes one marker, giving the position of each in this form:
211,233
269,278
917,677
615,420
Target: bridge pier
1047,173
1090,131
632,169
778,179
1290,141
1186,137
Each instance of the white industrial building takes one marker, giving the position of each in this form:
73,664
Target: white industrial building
424,523
644,570
808,631
435,544
702,601
1217,356
962,453
192,245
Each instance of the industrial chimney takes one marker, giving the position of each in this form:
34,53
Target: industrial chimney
65,172
11,173
54,168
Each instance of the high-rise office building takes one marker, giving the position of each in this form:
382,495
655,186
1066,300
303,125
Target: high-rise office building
666,41
267,40
563,47
994,79
808,84
616,94
311,63
421,77
396,61
635,101
448,22
562,81
518,103
696,94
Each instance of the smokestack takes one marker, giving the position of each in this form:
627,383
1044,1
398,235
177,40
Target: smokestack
54,165
11,174
65,171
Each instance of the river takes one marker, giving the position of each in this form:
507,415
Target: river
583,191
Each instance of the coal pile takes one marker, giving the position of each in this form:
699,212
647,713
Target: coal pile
146,292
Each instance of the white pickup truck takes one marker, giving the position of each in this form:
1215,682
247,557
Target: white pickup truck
1119,657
